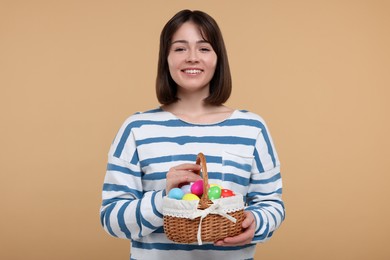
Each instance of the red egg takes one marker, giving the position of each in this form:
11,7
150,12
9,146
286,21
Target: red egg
197,188
226,193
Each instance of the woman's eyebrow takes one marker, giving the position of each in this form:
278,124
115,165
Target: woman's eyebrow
186,42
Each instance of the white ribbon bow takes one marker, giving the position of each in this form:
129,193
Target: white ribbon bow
213,209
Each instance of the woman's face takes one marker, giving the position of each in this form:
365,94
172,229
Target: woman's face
191,60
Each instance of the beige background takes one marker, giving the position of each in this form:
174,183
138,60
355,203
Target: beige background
317,71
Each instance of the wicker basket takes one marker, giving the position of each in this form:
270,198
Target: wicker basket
203,220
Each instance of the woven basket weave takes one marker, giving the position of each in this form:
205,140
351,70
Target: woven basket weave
186,229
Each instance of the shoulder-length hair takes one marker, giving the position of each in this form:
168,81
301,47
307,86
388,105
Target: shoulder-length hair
220,84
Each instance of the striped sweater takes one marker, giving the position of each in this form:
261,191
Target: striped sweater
240,156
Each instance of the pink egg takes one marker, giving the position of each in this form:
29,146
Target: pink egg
197,188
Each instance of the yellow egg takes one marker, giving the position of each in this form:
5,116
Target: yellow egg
190,196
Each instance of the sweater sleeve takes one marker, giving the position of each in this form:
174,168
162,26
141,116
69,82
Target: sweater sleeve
265,190
128,211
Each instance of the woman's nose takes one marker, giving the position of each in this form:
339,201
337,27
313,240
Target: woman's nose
192,56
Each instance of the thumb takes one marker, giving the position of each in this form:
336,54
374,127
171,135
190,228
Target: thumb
248,220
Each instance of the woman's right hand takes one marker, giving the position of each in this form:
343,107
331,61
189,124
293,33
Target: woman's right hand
182,173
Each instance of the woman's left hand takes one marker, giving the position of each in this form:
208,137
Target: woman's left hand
248,224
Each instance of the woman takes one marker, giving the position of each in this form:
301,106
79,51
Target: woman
155,151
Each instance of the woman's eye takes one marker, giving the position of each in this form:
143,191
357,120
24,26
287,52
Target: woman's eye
179,49
205,49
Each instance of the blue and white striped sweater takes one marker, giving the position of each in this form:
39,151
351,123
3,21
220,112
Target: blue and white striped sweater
240,156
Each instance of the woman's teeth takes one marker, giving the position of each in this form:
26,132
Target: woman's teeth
192,71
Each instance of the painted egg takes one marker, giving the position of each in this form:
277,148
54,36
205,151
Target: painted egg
176,193
186,188
214,192
227,193
197,188
190,196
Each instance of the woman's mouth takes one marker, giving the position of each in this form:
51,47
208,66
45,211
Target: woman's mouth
192,71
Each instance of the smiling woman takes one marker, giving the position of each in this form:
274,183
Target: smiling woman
155,151
192,61
204,31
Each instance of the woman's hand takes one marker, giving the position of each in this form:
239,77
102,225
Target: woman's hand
183,173
248,224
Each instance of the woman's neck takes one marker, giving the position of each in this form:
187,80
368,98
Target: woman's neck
198,112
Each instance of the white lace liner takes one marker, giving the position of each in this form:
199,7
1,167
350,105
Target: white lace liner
189,209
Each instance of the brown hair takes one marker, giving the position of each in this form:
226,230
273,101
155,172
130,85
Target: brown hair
220,84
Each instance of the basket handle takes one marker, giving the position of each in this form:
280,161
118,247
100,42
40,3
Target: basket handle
201,160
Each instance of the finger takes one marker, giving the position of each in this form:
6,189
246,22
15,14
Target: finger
181,177
187,176
187,167
219,243
175,178
182,169
236,240
248,220
241,239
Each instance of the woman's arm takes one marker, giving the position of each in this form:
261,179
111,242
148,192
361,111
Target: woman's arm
127,211
265,211
265,190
